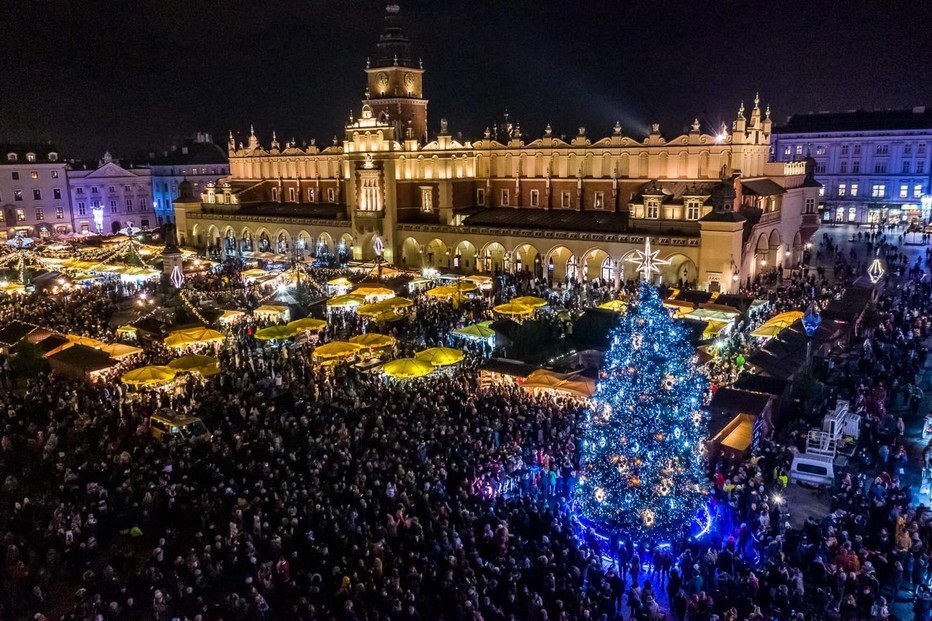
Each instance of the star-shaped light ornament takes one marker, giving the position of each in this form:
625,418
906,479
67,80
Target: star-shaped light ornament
875,271
647,261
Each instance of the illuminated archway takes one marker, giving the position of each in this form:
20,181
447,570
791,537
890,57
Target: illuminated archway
598,264
464,256
436,254
247,244
680,272
411,254
528,258
283,242
492,257
562,264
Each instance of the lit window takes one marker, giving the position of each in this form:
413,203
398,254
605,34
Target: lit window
878,190
820,150
54,174
56,193
427,199
810,205
822,191
842,188
904,190
20,215
37,195
917,190
653,209
598,200
692,210
505,198
17,195
59,213
40,214
311,195
30,157
799,150
565,200
34,174
535,198
480,197
331,195
787,151
854,189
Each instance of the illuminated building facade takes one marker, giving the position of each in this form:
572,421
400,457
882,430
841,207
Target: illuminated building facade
713,204
111,198
199,160
33,191
874,164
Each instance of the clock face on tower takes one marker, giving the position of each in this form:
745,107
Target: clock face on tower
409,80
382,80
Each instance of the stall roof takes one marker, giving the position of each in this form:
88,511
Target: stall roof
85,358
15,331
505,366
754,382
739,401
740,437
850,306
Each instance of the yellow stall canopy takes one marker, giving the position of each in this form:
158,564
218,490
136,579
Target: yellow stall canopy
194,363
349,300
713,328
517,310
119,350
476,331
407,368
373,340
575,385
440,356
777,324
275,333
308,324
530,300
84,340
340,283
272,311
335,350
618,306
374,293
148,376
193,336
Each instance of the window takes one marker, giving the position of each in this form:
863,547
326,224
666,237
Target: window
822,191
427,199
883,149
854,189
917,190
311,195
15,176
111,189
84,227
17,195
126,188
820,150
535,198
810,205
59,213
907,148
653,209
920,167
40,214
30,157
20,215
292,195
144,224
787,151
880,168
844,149
904,190
820,167
878,190
213,171
922,148
11,157
79,190
799,150
82,209
843,167
37,195
857,149
905,170
54,174
565,200
331,195
56,193
505,198
34,174
113,207
598,200
692,210
129,205
274,195
94,190
842,188
856,166
480,197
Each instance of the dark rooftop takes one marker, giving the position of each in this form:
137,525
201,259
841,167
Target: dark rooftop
739,401
505,366
192,152
332,211
761,383
15,331
858,120
84,357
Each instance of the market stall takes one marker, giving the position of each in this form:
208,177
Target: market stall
205,366
777,324
335,351
407,368
476,332
148,376
441,356
272,312
276,333
530,300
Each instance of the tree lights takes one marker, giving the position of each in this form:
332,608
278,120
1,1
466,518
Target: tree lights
642,442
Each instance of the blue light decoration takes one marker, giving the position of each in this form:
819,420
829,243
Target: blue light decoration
811,319
642,442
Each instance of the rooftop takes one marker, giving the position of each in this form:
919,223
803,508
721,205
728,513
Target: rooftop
45,153
858,121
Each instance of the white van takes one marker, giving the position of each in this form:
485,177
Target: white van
813,469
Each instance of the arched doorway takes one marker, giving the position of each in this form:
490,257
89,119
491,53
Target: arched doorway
411,253
680,272
246,241
774,256
492,257
761,254
464,256
597,264
264,243
283,242
229,242
437,254
527,258
562,265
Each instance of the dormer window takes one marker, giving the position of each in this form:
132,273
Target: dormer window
11,157
30,157
53,157
692,209
653,209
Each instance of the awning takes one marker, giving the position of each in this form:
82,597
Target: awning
740,437
762,187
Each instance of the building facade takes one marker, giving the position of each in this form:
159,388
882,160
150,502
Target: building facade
33,191
110,198
875,166
199,160
714,205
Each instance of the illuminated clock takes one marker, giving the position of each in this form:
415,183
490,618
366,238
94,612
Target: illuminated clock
382,80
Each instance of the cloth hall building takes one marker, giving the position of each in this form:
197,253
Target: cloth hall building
713,205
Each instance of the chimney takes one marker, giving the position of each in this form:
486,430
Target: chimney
184,150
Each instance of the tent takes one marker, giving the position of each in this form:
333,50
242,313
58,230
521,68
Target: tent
777,324
204,365
349,300
575,385
374,293
340,282
85,340
335,350
118,351
275,333
149,376
308,324
407,368
193,336
713,328
373,340
476,331
617,306
80,361
272,311
440,356
520,310
230,315
530,300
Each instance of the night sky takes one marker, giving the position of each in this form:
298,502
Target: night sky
128,76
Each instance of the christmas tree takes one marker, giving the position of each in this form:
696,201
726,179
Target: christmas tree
642,443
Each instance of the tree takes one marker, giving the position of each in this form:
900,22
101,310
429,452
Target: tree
642,441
